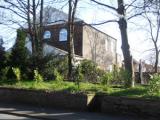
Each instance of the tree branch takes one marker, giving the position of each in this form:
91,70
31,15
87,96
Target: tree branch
130,4
14,11
14,5
135,15
101,23
158,25
105,5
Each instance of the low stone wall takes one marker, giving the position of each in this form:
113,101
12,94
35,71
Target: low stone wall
83,102
141,107
46,99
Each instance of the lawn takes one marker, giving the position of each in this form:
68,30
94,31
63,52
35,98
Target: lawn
137,92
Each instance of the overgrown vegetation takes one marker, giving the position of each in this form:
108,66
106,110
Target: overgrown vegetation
154,85
138,91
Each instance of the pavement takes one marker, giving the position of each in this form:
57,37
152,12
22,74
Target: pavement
14,117
39,113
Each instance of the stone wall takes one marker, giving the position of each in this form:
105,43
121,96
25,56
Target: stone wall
45,98
82,102
135,106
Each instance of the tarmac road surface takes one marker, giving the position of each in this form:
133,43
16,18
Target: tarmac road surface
25,112
13,117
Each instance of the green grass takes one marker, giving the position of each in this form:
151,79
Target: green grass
137,92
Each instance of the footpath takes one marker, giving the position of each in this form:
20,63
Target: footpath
58,114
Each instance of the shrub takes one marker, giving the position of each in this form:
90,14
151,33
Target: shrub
52,62
107,78
10,74
58,76
121,76
3,73
37,77
154,84
90,71
78,76
17,73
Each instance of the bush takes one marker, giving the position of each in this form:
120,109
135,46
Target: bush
107,78
10,74
90,71
121,76
52,62
58,76
3,73
78,76
17,73
37,77
154,85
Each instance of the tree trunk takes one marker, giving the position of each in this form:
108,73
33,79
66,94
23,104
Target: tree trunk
133,74
71,54
124,36
156,62
30,27
70,41
40,45
35,37
140,72
35,29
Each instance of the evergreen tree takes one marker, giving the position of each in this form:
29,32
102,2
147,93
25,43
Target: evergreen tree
19,54
2,58
2,54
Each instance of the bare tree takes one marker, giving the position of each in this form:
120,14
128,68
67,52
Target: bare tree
71,17
153,19
27,11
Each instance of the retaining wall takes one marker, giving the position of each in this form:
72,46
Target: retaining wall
77,101
138,106
83,102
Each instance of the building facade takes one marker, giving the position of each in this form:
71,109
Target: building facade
89,43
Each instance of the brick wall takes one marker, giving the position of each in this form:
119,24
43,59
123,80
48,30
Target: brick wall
55,29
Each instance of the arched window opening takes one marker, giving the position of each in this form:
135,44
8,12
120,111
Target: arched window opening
47,35
63,35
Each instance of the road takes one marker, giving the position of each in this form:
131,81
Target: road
59,117
13,117
25,112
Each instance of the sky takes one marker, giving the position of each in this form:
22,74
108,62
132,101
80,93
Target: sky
92,13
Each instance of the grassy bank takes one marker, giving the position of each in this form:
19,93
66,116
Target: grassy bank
138,91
